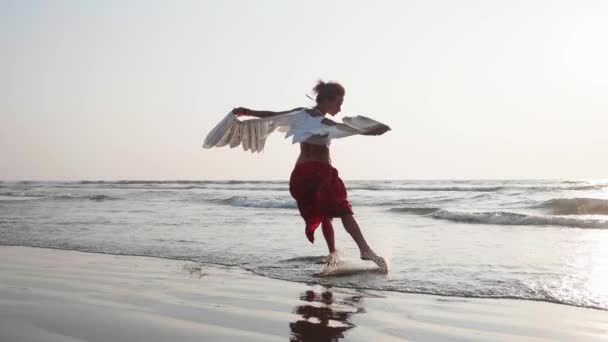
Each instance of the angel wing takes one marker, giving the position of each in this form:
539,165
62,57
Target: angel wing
231,131
298,124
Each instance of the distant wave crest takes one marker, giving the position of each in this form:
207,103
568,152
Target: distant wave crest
476,188
239,201
179,182
414,210
431,188
34,196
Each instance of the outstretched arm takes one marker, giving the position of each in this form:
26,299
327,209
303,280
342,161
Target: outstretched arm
259,113
375,130
339,126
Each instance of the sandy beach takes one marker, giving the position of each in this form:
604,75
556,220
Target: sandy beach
233,171
60,295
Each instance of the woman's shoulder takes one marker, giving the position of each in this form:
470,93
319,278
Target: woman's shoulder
312,112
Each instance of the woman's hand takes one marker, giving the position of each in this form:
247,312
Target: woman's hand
377,130
240,111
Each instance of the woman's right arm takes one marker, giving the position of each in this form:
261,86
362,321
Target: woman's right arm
240,111
339,126
375,130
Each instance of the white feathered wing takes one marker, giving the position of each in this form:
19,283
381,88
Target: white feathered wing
297,124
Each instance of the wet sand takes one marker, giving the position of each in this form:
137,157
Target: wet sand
57,295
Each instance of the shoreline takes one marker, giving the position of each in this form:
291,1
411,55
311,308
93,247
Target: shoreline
245,269
54,294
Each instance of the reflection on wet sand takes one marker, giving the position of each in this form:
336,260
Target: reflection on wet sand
326,315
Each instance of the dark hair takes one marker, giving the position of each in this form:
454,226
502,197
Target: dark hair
328,91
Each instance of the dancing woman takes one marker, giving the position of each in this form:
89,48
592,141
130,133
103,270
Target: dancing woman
314,182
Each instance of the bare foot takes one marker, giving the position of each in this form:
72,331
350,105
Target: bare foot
368,255
332,259
378,260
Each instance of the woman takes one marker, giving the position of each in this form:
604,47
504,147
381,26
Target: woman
315,184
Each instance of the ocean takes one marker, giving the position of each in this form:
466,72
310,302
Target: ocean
544,240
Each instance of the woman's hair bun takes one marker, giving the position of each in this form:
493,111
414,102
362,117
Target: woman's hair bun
328,90
319,86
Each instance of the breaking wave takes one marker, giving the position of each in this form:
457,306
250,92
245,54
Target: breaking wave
515,219
576,206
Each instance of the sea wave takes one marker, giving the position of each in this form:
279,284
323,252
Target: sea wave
560,188
423,188
90,197
240,201
477,188
454,186
576,206
174,186
4,198
415,210
274,188
41,196
516,219
180,182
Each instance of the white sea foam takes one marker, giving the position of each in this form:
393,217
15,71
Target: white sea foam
339,265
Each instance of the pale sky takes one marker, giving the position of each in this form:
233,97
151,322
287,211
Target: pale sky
93,90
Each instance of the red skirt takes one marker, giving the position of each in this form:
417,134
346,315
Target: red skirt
319,192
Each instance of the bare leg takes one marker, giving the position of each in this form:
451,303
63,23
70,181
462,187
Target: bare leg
352,227
328,234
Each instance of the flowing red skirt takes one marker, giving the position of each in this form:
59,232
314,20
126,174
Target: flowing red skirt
319,192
